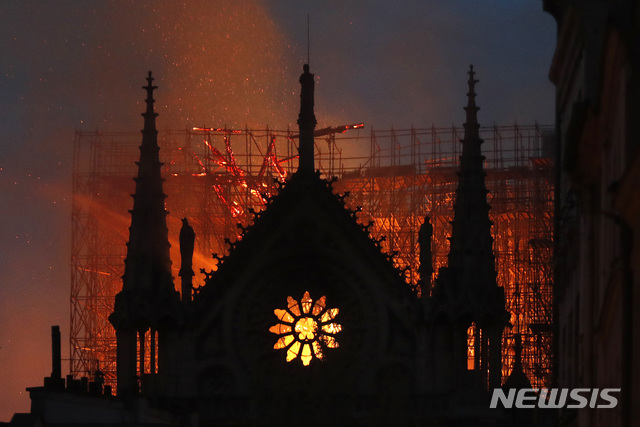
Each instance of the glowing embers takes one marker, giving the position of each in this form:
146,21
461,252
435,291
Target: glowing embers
473,339
307,328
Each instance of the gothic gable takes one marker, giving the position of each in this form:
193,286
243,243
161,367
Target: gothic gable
306,245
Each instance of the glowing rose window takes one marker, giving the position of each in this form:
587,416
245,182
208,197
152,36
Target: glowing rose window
306,328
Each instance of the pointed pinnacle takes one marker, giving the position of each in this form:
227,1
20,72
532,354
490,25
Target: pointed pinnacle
471,124
149,115
149,88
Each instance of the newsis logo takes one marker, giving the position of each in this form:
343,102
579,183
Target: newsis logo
555,398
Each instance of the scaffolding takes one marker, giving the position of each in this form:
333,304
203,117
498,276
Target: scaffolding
217,177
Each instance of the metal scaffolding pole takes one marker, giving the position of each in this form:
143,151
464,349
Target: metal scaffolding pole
216,176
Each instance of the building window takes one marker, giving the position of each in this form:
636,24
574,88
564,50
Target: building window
306,328
472,337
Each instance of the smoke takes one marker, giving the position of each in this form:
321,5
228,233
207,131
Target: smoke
81,65
74,64
405,62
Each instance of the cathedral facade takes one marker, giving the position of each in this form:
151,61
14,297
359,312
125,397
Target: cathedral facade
305,320
306,311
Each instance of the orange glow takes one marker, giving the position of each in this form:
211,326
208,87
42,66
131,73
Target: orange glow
283,315
319,305
293,306
329,315
306,303
471,347
215,197
280,329
222,130
332,328
306,355
283,341
306,328
293,351
343,129
104,273
329,341
299,332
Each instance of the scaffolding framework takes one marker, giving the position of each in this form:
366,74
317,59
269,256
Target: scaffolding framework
216,177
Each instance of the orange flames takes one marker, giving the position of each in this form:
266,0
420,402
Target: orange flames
217,188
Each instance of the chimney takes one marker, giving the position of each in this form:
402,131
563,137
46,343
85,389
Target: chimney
56,358
55,381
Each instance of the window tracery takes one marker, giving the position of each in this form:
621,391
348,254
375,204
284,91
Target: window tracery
306,328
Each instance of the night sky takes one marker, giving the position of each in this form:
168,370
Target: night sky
67,65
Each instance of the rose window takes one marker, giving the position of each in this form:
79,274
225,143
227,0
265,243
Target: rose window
306,328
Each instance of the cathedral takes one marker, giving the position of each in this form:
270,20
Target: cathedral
305,320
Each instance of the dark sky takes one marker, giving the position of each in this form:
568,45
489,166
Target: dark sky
67,65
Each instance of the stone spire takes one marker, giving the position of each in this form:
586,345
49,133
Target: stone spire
148,265
306,122
466,291
471,125
148,297
471,254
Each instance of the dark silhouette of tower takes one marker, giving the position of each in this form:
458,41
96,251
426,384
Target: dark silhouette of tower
467,308
145,304
306,122
306,245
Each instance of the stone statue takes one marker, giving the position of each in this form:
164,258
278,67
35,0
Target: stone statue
424,241
187,239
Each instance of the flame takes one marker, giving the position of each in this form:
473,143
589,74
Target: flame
229,185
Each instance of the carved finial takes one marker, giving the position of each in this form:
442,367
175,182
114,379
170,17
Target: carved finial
150,115
471,125
306,121
150,88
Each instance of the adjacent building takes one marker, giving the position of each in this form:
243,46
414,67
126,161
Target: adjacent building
597,257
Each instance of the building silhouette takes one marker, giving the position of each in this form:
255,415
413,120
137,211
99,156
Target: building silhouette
466,309
597,267
305,320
